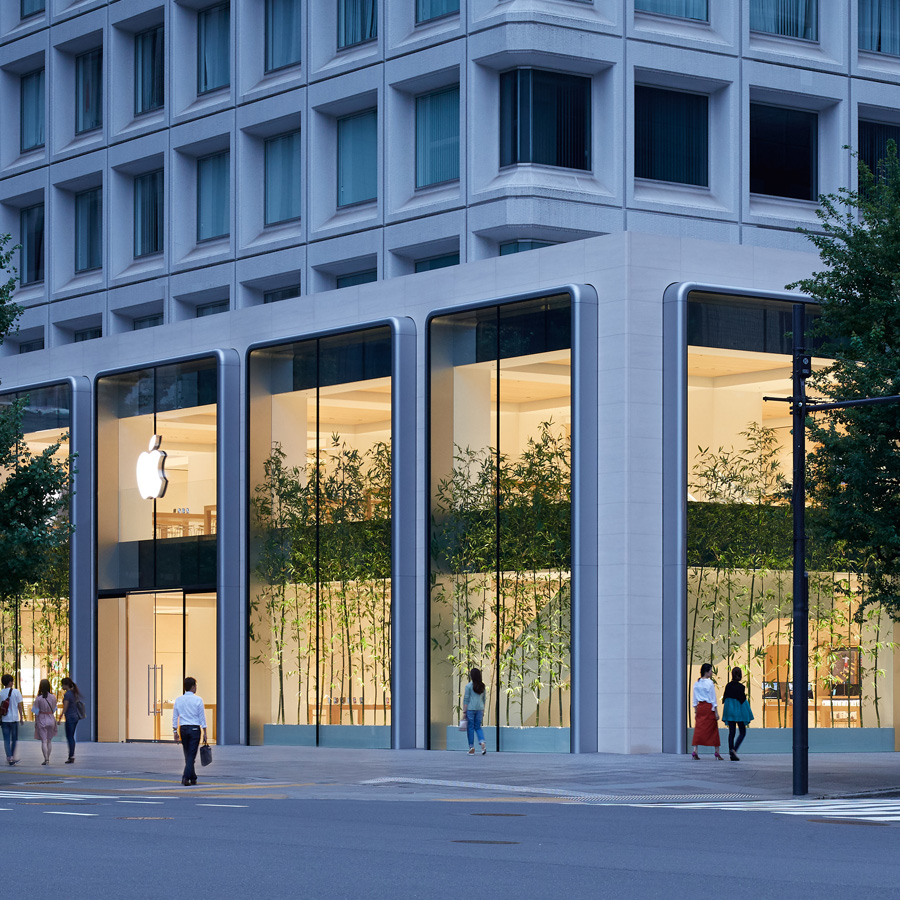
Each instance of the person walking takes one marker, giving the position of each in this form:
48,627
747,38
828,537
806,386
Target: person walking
9,720
736,712
188,718
70,713
473,710
45,727
706,717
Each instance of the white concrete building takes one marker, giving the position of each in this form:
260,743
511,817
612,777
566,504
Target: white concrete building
171,168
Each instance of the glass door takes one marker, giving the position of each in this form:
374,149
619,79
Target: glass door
155,660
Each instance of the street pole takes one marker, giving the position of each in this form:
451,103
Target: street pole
800,702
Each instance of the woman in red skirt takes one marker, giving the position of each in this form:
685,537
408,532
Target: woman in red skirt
706,718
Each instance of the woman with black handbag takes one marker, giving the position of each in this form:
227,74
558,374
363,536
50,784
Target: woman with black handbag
72,712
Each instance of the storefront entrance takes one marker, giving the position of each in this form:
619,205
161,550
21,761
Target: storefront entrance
150,640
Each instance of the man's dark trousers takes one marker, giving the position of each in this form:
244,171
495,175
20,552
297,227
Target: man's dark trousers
190,743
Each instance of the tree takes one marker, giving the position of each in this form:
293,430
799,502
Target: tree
854,466
35,488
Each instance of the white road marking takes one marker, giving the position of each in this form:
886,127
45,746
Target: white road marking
40,795
145,802
869,810
227,805
50,812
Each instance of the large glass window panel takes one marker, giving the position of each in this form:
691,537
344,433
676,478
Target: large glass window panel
320,470
32,110
213,48
31,237
437,137
157,514
523,246
149,70
682,9
148,213
783,152
89,230
879,26
426,10
671,136
31,8
501,521
739,540
283,22
545,117
873,140
788,18
213,196
357,161
437,262
282,178
88,91
34,625
357,22
356,278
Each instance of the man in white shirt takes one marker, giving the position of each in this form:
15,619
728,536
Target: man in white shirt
188,718
15,709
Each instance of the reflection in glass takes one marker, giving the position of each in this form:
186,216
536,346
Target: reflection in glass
739,536
34,626
501,531
320,459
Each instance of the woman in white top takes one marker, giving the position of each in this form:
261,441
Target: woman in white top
706,717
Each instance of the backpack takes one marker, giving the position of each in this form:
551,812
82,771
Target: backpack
4,705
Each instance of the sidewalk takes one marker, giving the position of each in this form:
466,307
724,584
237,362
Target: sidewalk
309,773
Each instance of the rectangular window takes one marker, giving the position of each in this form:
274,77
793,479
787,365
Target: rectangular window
357,22
89,230
783,152
681,9
282,164
357,158
523,246
282,34
426,10
148,213
671,136
879,26
149,70
287,293
356,278
437,262
88,91
31,8
31,346
212,309
788,18
31,87
437,137
213,48
213,196
142,322
545,117
87,334
31,237
873,139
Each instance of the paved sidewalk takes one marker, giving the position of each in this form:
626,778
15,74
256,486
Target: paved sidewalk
308,773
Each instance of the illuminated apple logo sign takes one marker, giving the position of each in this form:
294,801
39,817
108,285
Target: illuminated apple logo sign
151,471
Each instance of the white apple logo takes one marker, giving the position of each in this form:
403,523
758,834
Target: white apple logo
151,473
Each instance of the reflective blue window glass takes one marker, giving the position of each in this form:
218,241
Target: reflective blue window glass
213,48
671,136
356,278
682,9
282,34
32,110
89,230
879,26
31,237
357,22
148,213
149,70
31,8
437,137
213,196
282,164
88,91
437,262
788,18
434,9
357,158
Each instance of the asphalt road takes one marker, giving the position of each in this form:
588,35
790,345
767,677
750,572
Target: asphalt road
199,845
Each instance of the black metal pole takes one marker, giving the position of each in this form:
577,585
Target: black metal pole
800,701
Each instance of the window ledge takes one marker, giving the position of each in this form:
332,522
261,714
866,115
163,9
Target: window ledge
143,266
534,175
214,247
84,140
883,63
347,215
783,209
685,195
290,231
144,122
81,281
797,48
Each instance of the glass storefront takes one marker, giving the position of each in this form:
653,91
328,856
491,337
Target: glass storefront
320,561
34,625
739,541
501,490
156,545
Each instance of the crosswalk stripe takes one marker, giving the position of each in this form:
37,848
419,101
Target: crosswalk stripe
887,810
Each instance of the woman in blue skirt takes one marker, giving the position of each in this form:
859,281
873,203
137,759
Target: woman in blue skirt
736,711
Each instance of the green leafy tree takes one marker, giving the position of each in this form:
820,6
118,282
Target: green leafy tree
854,468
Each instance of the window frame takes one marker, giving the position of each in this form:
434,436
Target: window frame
42,71
296,133
161,192
361,42
357,115
443,90
80,62
267,68
23,16
430,19
160,29
199,161
814,152
26,249
201,14
789,37
81,196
